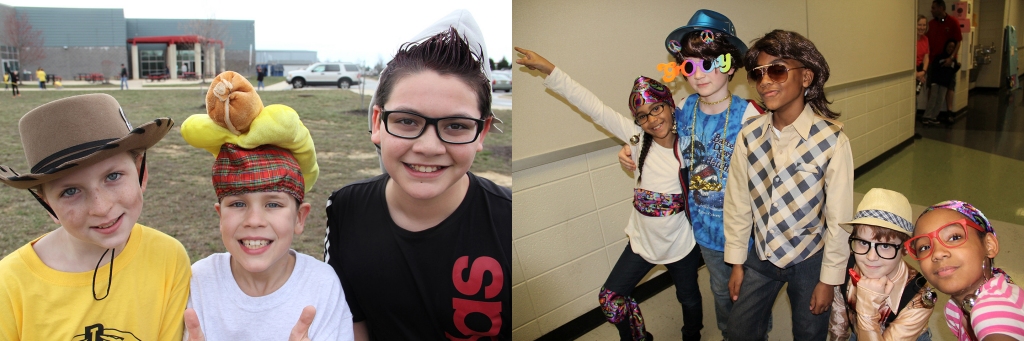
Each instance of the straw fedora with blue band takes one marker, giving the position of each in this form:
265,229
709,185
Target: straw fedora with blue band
67,134
705,19
883,208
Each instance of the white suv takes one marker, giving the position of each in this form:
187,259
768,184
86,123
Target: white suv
342,74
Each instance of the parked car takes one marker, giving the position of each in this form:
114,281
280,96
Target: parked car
500,81
343,74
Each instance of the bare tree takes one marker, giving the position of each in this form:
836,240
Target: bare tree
380,64
21,36
209,31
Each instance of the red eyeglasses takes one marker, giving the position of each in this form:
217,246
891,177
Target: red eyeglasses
952,235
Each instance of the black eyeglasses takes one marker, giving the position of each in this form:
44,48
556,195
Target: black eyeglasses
656,110
453,130
883,250
777,72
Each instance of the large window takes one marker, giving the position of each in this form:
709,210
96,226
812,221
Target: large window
8,52
9,57
186,59
151,61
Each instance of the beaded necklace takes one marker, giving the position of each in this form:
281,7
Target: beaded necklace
728,96
696,181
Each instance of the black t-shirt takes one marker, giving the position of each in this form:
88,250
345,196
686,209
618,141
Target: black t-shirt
451,281
260,74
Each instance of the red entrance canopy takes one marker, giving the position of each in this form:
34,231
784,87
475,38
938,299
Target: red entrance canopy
188,39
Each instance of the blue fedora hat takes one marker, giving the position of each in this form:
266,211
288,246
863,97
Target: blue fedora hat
705,19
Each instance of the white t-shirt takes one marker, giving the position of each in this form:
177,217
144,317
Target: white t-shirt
227,313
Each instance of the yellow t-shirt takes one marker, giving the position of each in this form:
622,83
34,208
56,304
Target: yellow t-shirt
41,75
146,301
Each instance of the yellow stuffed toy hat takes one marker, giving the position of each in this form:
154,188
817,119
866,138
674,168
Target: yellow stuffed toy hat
236,115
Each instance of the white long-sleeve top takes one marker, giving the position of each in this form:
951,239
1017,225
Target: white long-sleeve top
659,240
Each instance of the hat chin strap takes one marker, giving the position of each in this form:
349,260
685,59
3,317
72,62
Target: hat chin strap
41,202
142,172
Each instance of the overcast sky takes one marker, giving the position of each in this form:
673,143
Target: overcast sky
353,31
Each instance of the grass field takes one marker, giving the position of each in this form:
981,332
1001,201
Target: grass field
179,199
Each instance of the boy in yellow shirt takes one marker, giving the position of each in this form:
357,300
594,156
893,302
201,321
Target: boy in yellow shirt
88,170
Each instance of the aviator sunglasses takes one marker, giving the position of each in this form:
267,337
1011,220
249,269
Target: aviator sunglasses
777,72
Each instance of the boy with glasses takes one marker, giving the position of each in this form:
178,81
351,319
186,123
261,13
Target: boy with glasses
424,251
883,297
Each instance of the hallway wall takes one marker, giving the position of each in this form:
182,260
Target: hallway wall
571,199
1015,17
991,18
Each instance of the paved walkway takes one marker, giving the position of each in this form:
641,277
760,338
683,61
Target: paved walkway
500,100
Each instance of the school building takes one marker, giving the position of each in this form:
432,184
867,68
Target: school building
572,200
86,41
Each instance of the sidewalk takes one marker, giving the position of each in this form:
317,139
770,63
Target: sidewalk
115,84
501,101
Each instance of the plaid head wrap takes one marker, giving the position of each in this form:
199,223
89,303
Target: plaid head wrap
265,168
967,210
647,90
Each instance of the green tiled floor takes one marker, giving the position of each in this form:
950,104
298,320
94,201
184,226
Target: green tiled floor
929,171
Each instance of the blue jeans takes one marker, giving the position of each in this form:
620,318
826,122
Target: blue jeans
124,82
762,281
720,272
631,268
259,84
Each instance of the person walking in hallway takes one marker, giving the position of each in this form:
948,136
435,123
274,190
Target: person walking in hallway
941,29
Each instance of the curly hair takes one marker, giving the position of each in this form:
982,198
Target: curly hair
792,45
446,53
693,46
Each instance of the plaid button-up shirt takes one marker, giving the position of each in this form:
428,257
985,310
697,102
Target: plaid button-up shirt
778,187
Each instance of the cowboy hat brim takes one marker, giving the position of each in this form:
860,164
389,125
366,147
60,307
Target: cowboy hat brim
142,137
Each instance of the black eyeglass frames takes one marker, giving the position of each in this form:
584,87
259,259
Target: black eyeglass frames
411,125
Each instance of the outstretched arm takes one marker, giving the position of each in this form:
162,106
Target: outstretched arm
533,61
621,126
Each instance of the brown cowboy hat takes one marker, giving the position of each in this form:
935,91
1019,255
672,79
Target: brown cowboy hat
77,131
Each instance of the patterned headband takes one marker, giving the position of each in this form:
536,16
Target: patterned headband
647,90
967,210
